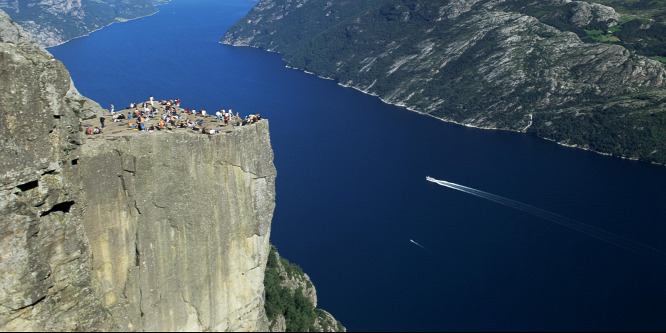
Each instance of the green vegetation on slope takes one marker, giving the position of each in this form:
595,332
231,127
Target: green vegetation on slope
650,9
487,64
617,127
298,311
641,28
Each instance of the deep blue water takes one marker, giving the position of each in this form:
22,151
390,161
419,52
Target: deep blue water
351,191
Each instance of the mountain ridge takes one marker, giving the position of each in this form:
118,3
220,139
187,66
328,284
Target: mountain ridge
480,63
54,22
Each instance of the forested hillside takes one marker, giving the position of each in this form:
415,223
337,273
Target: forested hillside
579,73
640,25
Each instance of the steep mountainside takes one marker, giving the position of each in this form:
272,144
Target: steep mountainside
164,231
53,22
45,258
103,234
291,299
517,65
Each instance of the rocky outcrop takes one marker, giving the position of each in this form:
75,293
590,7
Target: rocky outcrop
509,65
291,299
46,262
147,231
53,22
181,224
584,13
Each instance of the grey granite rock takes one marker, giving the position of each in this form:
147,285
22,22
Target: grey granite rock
144,231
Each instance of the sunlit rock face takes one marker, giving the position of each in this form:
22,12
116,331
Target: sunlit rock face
143,231
181,225
46,263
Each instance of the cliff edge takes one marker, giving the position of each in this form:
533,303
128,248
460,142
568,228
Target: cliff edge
181,223
159,232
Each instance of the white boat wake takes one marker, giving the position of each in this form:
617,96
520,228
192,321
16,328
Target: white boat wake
419,245
620,241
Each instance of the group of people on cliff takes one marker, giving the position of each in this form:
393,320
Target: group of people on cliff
171,117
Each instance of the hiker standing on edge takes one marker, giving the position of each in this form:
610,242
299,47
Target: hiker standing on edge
111,109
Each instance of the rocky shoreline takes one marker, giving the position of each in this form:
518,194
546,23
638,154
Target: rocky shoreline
402,105
53,24
487,65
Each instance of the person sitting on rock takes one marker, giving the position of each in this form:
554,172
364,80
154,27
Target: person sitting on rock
141,121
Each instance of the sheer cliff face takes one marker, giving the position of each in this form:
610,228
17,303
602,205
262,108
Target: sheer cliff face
159,231
483,63
53,22
180,224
